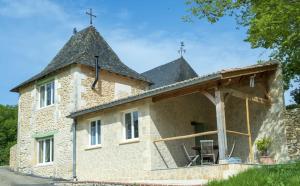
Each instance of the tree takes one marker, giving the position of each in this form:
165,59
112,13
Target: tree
8,131
296,95
271,24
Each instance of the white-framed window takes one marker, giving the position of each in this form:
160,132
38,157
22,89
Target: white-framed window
45,150
95,132
47,94
131,123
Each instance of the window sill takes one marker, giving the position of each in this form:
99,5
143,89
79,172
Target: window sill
44,164
48,106
136,140
93,147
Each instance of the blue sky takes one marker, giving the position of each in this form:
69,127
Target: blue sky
143,33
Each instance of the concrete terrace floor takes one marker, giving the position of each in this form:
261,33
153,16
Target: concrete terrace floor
9,178
173,182
196,182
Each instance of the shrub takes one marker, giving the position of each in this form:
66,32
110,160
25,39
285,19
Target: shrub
263,145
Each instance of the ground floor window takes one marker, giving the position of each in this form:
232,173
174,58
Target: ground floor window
95,132
131,125
46,150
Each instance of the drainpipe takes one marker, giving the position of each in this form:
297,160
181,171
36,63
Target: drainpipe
97,72
74,148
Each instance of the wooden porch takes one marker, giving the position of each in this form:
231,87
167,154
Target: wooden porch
218,94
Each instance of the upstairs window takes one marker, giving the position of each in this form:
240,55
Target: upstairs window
47,94
95,133
46,150
131,125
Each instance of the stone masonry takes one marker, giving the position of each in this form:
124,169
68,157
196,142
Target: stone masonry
292,122
72,92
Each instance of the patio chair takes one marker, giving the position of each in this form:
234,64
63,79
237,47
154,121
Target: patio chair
191,159
207,152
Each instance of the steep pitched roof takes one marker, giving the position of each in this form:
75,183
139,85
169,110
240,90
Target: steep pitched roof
172,72
81,49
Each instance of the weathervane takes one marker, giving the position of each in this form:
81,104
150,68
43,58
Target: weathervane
181,51
90,13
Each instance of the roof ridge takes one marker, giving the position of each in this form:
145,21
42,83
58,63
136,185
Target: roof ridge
177,70
166,64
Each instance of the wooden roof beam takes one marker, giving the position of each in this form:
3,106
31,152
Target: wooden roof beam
183,92
248,71
209,96
242,95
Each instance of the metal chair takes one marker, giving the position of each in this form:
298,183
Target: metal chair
207,151
191,159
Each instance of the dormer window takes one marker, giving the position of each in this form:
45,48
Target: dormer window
47,94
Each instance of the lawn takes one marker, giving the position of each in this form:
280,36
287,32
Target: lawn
272,175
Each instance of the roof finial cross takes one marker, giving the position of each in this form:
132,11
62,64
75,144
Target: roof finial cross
90,13
181,51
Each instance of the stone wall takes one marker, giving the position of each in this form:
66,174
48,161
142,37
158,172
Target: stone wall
292,122
115,159
118,160
235,111
105,88
51,119
173,117
72,92
24,128
272,125
265,120
13,155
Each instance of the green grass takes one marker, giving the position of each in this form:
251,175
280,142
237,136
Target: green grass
272,175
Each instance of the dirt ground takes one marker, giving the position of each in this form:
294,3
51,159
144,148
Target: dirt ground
9,178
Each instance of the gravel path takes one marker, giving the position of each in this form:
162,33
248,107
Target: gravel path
9,178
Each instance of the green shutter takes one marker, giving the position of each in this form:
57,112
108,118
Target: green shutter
44,134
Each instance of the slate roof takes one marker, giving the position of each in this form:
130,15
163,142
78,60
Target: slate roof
171,87
172,72
81,49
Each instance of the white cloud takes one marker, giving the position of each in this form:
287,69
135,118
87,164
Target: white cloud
158,47
30,8
143,51
42,10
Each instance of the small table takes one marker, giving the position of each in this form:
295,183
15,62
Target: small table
198,148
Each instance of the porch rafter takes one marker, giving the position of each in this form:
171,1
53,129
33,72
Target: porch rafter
209,96
184,92
245,96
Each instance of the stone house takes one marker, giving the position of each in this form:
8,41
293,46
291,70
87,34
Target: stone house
96,119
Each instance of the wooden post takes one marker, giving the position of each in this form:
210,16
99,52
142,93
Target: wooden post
249,131
221,125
